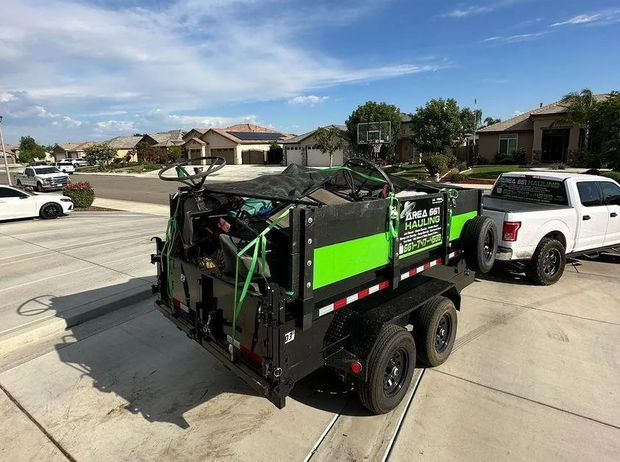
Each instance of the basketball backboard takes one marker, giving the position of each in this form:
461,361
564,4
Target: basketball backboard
374,132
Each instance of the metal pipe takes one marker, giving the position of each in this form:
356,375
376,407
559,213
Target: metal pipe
6,163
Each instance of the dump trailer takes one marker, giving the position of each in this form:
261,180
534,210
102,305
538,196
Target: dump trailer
347,268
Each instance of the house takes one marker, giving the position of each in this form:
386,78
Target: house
539,132
125,145
10,152
404,150
70,150
161,141
301,149
238,144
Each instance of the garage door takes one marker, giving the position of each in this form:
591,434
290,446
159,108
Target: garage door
226,153
317,159
293,156
253,157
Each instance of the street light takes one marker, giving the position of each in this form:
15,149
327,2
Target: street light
6,163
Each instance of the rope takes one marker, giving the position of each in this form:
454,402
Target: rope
367,177
259,243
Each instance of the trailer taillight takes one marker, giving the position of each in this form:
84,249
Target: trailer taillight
510,231
356,367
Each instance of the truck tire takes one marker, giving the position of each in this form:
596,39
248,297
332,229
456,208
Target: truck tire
547,265
19,184
480,244
39,187
390,369
434,331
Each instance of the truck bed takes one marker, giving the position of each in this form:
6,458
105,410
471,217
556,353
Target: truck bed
497,204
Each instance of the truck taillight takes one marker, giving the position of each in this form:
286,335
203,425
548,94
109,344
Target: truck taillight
510,231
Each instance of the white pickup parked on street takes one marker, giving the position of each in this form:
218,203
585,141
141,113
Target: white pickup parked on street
544,216
42,178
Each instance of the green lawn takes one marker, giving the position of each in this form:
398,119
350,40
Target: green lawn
491,172
413,171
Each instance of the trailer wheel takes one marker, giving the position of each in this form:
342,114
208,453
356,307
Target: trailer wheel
435,331
480,244
548,263
390,369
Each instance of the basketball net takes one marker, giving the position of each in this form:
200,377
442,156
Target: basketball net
376,147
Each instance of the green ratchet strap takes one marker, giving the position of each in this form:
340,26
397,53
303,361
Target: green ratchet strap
167,250
367,177
259,243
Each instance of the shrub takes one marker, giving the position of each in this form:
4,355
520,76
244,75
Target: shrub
462,166
518,156
502,158
479,160
436,163
613,175
81,193
586,159
456,176
117,161
453,162
558,166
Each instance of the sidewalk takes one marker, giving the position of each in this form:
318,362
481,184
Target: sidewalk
130,206
60,273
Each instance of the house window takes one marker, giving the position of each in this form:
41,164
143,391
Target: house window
507,144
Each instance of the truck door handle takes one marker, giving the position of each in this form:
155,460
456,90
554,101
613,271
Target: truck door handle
613,214
586,217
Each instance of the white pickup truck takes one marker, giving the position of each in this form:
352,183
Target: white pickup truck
544,216
42,178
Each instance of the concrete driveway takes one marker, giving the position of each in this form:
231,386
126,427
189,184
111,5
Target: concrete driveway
534,376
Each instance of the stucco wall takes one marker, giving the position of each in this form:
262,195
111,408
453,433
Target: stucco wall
488,144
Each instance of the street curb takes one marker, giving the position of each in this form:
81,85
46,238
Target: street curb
53,325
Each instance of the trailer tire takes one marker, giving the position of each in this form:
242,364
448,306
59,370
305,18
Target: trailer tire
391,364
480,244
434,331
547,265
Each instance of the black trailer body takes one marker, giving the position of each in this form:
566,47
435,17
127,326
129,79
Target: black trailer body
333,275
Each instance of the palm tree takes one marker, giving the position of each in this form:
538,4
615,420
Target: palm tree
580,110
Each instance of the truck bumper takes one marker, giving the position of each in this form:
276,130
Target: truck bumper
503,254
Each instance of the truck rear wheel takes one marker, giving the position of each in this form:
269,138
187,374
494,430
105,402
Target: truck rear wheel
390,369
547,265
435,331
480,244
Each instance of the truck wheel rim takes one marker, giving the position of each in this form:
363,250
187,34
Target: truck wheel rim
443,333
551,262
488,246
396,370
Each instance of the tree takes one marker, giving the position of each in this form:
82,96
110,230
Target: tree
145,152
605,127
30,150
438,126
373,112
491,121
580,110
99,154
471,120
328,141
175,153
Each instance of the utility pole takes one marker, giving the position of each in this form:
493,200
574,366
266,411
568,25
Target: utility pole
6,162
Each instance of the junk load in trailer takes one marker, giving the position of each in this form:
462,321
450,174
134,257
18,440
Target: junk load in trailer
284,274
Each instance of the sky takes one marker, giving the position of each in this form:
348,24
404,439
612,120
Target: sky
82,70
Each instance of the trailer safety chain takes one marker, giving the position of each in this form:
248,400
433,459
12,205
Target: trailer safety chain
260,242
453,195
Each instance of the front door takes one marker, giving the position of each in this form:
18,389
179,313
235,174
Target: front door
593,216
611,198
555,145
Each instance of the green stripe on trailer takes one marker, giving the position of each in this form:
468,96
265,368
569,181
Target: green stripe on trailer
458,222
343,260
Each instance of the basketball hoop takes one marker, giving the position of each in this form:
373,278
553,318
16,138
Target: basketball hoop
374,134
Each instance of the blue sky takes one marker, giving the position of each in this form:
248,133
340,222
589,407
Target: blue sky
74,70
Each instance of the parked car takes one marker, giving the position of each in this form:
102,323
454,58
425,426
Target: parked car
15,203
77,162
42,178
65,166
545,217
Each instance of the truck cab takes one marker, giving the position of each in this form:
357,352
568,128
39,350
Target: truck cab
42,178
543,217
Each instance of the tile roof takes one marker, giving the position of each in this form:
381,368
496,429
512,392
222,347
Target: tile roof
300,138
524,122
168,143
249,128
77,146
196,140
162,137
124,142
9,147
229,134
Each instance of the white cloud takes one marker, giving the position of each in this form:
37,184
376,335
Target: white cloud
461,13
515,38
603,17
84,58
310,100
517,113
